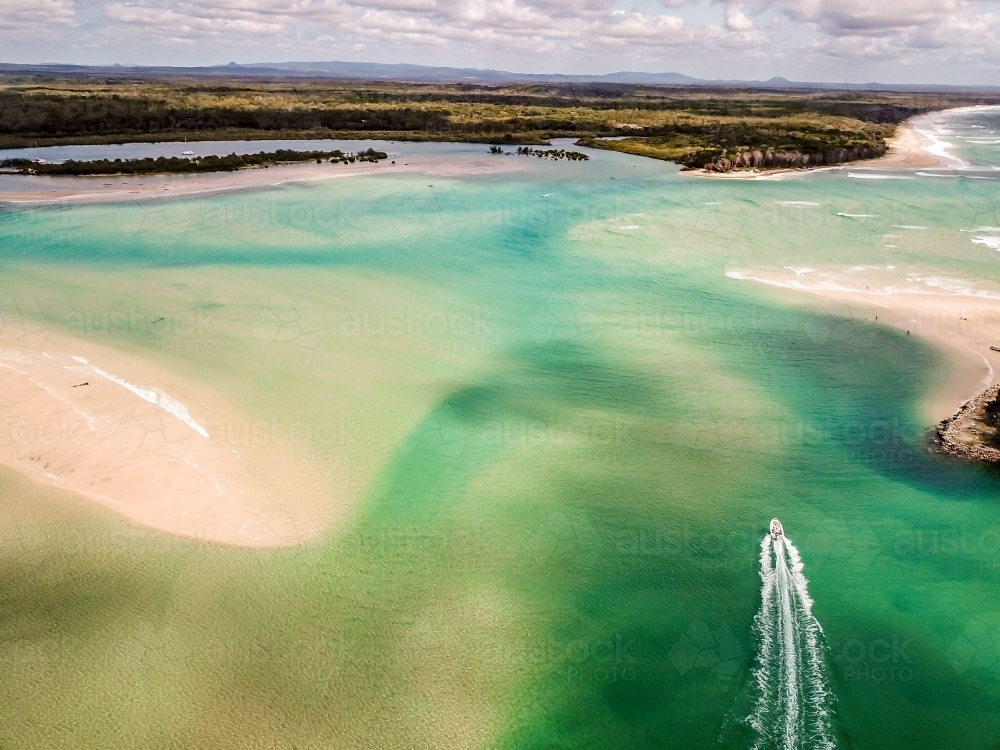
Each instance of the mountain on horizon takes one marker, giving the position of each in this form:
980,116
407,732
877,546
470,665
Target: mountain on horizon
409,72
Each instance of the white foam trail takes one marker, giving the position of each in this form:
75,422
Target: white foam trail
792,706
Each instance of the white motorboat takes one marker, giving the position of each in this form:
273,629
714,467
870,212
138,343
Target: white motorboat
777,532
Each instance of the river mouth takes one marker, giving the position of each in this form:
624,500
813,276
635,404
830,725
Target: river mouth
529,423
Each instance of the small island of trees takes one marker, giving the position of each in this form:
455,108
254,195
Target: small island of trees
555,153
182,165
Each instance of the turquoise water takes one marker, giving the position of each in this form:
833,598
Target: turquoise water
565,416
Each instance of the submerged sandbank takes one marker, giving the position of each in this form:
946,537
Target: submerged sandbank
152,446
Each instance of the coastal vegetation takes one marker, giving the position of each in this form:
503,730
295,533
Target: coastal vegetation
723,144
722,127
176,165
553,153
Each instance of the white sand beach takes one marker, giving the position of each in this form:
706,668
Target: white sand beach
907,150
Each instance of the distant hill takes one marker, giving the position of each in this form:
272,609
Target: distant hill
406,73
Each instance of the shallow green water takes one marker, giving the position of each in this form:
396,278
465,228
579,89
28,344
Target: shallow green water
567,429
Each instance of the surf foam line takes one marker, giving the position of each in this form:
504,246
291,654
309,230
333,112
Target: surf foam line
152,395
792,706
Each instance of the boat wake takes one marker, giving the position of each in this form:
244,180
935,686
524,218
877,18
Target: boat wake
791,706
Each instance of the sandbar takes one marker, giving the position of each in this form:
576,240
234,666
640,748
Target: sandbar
17,189
152,446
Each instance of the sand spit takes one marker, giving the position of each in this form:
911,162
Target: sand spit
33,189
150,446
16,189
973,427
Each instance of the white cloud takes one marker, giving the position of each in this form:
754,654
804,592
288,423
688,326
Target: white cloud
536,27
948,33
807,39
736,19
29,15
866,16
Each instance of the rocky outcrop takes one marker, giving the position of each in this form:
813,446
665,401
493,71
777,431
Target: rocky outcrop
972,431
755,159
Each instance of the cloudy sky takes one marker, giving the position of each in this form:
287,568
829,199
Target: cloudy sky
857,41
